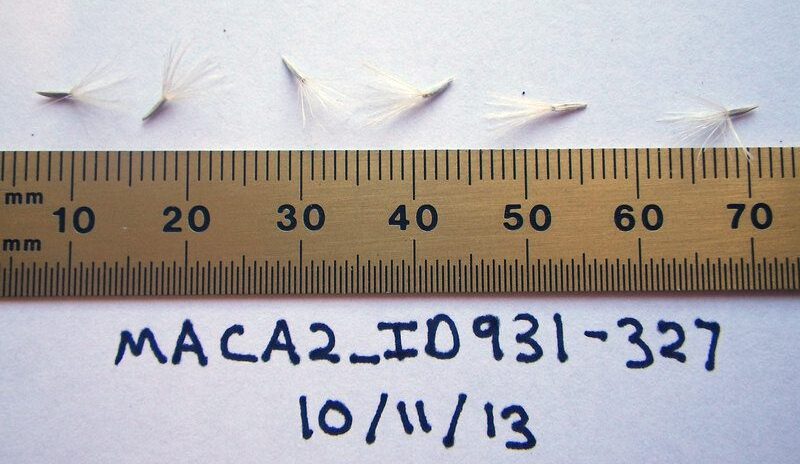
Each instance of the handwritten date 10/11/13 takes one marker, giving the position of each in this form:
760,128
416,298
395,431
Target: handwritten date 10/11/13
443,341
335,418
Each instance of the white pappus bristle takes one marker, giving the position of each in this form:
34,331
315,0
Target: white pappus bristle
714,123
313,92
515,112
179,81
393,96
95,88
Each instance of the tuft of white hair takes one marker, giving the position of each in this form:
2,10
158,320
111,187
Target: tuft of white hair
515,112
91,89
713,124
179,80
313,93
393,96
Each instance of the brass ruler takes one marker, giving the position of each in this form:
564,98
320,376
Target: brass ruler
142,223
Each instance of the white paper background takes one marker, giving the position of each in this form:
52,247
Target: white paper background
63,400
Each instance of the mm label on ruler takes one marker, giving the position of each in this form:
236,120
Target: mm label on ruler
398,221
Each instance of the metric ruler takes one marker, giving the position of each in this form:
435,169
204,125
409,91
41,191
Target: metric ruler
142,223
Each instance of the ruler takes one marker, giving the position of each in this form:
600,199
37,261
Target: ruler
177,223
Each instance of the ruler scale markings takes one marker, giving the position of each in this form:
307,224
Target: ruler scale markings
733,275
403,165
658,155
391,164
425,165
786,269
528,281
360,280
299,258
738,167
130,168
6,276
514,165
266,166
779,274
796,273
358,169
480,276
152,166
186,177
38,169
491,164
141,166
640,282
15,292
71,174
163,165
524,167
726,275
596,272
346,165
301,175
713,268
492,270
127,278
547,164
571,279
233,166
61,166
625,161
753,260
569,160
744,273
703,162
726,164
14,169
244,168
714,153
636,160
380,166
584,283
758,156
558,166
771,167
469,167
